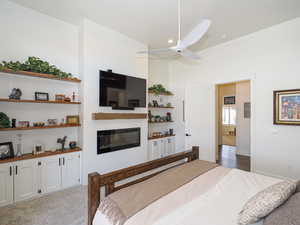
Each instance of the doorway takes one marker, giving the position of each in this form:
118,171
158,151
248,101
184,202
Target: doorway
233,124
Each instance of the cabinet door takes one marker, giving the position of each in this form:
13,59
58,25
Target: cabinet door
170,145
70,169
50,174
25,179
162,146
6,184
156,154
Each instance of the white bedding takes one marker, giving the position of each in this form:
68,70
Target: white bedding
202,201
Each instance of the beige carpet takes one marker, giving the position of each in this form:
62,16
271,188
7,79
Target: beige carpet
68,207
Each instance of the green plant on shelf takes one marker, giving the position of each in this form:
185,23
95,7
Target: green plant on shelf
158,89
35,64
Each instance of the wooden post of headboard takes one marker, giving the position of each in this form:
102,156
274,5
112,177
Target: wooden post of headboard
94,186
195,150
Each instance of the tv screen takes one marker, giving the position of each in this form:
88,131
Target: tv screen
121,91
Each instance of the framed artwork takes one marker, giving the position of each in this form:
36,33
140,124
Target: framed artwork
41,96
229,100
247,110
73,120
287,107
6,150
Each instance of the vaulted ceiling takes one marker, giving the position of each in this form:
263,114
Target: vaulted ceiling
153,22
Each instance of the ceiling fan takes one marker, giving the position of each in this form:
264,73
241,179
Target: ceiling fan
181,48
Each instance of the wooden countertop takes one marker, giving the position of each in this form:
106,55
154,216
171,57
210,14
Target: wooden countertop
44,154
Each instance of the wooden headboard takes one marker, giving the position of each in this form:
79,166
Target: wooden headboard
96,180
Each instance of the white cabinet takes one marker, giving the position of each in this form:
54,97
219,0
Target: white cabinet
161,147
25,179
170,145
50,174
6,184
70,170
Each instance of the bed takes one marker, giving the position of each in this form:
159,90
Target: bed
184,194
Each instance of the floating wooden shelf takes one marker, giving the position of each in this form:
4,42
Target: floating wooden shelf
43,127
161,122
40,75
115,116
166,94
159,137
161,107
34,101
41,155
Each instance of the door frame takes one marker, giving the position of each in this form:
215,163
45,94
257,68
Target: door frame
215,134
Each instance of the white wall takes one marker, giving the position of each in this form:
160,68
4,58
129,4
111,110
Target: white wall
159,72
270,59
243,127
28,33
105,49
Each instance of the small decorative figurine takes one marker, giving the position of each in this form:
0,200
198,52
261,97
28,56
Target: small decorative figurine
13,123
62,141
16,93
72,144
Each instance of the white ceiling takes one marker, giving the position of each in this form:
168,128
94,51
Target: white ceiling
153,22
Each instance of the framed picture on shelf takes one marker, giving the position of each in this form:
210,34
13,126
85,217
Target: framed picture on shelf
6,150
73,119
23,124
286,107
41,96
60,97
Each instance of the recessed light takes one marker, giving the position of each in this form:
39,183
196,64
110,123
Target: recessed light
170,41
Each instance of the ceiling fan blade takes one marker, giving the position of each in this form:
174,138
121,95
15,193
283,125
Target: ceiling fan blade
196,34
189,54
154,51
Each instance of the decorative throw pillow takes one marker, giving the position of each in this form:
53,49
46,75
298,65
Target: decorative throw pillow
265,202
286,214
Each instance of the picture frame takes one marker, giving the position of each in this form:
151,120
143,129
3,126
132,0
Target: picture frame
286,107
38,149
6,150
41,96
73,119
229,100
23,124
60,97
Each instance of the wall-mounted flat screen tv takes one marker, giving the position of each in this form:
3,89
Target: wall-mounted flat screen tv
122,91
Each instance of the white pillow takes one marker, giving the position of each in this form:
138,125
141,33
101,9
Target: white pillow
264,202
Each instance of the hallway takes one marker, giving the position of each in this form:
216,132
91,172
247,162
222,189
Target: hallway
229,159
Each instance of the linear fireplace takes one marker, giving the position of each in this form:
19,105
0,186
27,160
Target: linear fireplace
119,139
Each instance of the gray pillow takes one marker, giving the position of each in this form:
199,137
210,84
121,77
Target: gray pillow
286,214
263,203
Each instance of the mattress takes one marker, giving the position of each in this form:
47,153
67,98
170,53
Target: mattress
214,198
